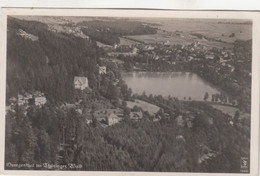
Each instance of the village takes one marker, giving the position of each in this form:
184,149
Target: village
220,59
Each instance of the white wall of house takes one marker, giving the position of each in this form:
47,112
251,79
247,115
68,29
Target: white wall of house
80,83
39,101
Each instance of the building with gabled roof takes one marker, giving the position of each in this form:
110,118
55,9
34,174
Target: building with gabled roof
39,101
108,116
102,70
80,82
112,119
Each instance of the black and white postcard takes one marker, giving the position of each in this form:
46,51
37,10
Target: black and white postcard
130,91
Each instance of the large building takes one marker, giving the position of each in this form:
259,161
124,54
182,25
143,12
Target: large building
113,119
108,116
80,82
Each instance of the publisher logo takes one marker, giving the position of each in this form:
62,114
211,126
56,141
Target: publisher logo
244,163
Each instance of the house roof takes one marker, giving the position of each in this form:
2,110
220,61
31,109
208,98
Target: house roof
112,115
136,115
102,69
82,80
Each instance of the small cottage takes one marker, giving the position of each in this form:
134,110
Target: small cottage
102,70
209,56
80,82
39,101
39,98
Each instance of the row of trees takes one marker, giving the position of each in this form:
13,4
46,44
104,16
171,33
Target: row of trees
218,97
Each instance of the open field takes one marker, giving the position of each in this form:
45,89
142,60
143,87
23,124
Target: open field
173,38
182,38
55,19
178,31
230,110
102,45
208,27
162,37
211,29
152,109
124,41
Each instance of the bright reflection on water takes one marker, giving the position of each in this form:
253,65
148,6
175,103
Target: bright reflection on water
176,84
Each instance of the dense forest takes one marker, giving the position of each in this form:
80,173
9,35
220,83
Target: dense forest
172,144
193,137
108,32
49,64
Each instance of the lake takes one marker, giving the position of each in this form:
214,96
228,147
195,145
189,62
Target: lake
176,84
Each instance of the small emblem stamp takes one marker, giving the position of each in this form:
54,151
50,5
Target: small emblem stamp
244,164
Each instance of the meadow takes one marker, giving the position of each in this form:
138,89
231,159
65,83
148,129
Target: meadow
178,31
152,109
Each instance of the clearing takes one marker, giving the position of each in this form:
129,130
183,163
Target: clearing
152,109
230,110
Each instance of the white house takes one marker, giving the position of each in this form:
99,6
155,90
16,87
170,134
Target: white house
12,100
209,56
89,119
180,121
39,98
135,50
21,101
80,82
102,70
108,116
39,101
113,119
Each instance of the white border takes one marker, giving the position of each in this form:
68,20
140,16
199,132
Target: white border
152,4
136,13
